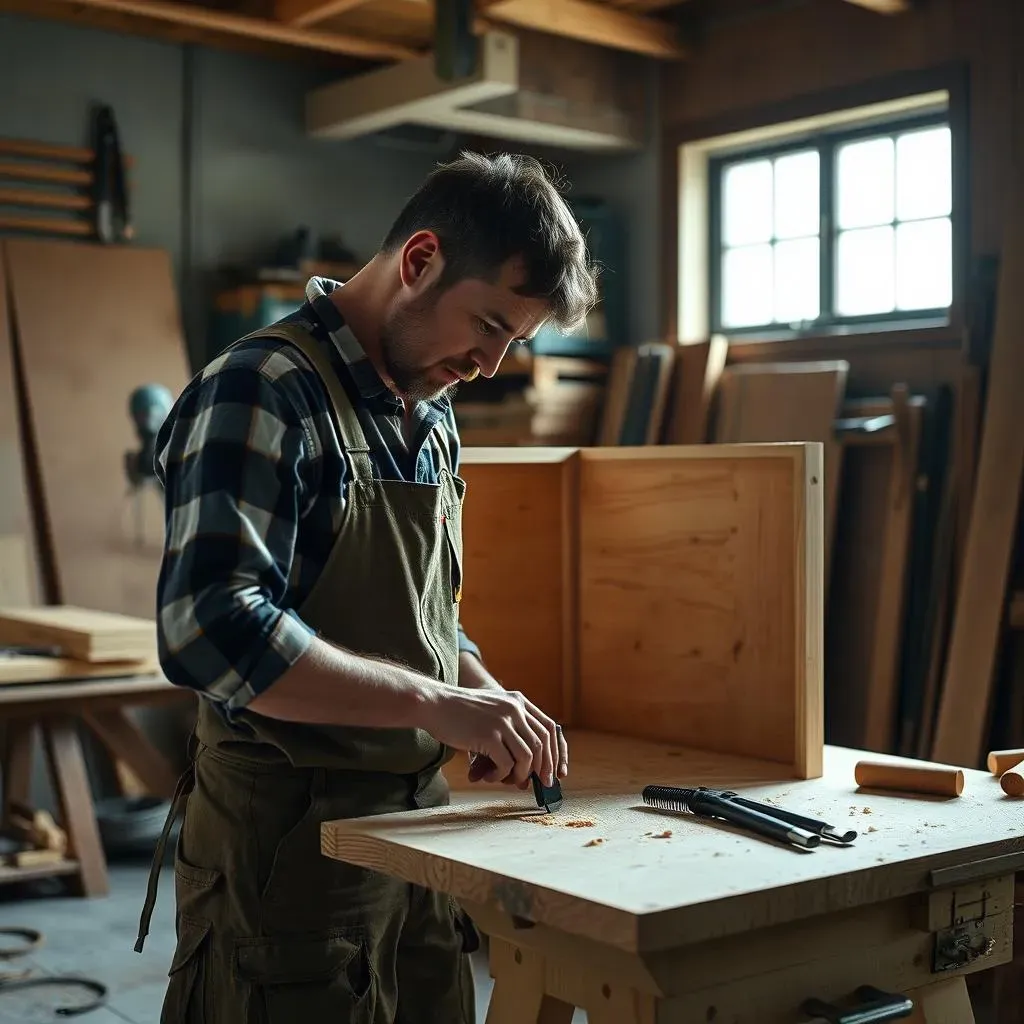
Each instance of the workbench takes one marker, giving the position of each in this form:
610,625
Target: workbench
57,709
643,915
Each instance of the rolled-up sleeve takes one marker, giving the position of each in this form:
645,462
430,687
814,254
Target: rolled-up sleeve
232,461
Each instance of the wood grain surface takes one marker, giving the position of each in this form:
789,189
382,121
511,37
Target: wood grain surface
661,879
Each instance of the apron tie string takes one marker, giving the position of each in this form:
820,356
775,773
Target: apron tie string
181,791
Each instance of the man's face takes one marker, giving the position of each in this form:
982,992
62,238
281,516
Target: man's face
431,341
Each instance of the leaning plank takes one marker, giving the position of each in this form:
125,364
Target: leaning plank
116,327
969,682
17,562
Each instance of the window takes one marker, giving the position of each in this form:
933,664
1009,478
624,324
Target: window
845,227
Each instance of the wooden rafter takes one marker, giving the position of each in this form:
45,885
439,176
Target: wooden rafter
309,12
591,22
195,16
884,6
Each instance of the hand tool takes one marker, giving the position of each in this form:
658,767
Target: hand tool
773,822
548,797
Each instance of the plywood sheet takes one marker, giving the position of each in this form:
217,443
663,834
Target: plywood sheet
787,402
92,323
701,603
80,633
519,589
19,670
17,562
639,892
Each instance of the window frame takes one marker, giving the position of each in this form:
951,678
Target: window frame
827,141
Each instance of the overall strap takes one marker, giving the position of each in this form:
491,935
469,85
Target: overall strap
353,437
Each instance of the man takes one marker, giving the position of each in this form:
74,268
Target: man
310,592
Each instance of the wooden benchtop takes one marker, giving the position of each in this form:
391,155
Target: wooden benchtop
641,890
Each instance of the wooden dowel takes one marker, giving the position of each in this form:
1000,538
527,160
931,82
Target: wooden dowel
931,779
34,197
1012,780
46,225
45,151
51,151
38,172
1000,761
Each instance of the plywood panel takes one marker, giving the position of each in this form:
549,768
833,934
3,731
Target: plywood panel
17,563
788,402
93,323
701,605
519,591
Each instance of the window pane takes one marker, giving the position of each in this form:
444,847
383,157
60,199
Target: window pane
747,203
924,175
865,178
865,272
797,280
747,286
924,264
797,212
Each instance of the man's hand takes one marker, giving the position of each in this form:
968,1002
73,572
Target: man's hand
503,726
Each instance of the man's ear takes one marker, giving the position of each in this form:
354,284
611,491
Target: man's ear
421,263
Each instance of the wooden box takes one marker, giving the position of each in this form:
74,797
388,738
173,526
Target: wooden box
669,593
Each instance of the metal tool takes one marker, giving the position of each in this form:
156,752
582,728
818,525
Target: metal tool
548,797
773,822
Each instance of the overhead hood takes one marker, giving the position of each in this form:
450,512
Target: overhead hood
523,89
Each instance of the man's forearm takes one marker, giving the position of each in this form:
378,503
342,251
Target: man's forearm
331,686
473,675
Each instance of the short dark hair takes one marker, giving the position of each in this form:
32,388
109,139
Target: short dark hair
487,210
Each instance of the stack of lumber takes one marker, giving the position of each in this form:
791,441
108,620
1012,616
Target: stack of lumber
924,561
47,189
60,642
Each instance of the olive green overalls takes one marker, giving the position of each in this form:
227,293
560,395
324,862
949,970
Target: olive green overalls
270,930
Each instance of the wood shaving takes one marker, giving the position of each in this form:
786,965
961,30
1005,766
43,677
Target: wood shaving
871,828
539,819
659,835
594,842
579,824
867,810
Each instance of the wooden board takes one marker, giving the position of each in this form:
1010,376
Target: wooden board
115,327
698,369
523,621
17,562
80,633
969,681
701,606
20,670
642,893
866,613
787,402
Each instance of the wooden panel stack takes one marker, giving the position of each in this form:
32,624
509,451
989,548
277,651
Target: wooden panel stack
618,586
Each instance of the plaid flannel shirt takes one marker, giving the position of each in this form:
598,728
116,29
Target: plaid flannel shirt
254,481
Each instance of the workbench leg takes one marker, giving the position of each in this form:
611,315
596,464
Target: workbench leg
71,787
17,780
947,1002
126,742
518,996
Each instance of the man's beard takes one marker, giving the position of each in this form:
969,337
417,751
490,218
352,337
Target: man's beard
402,338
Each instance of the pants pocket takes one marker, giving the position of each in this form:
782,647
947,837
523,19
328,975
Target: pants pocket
186,1000
308,978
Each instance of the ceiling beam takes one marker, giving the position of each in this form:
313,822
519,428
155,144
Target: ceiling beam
243,26
309,12
884,6
590,22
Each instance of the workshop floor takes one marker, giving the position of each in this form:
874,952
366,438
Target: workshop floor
95,939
